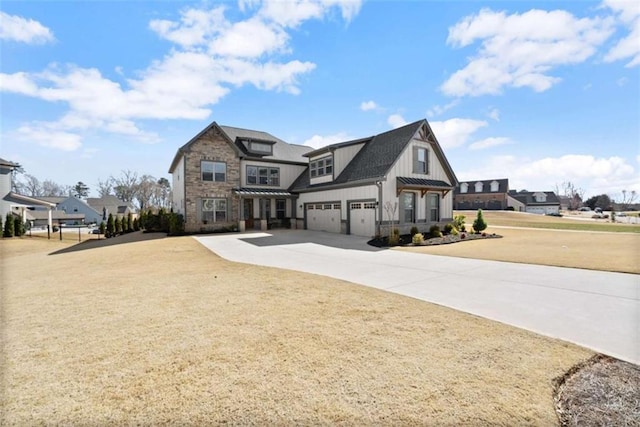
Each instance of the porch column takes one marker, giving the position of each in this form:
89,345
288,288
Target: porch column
50,220
241,222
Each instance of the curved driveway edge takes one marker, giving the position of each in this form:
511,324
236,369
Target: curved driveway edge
595,309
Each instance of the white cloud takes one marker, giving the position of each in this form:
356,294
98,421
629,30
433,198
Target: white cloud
494,114
596,175
396,121
292,13
368,105
455,132
628,13
489,142
319,141
212,56
19,29
436,110
519,50
50,138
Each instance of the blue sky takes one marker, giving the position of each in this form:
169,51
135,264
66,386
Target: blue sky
537,92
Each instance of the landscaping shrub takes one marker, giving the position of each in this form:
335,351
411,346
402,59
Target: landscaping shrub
479,224
454,231
18,228
111,226
103,227
458,222
417,239
136,224
0,223
176,224
118,225
129,227
394,237
9,228
414,231
434,231
448,228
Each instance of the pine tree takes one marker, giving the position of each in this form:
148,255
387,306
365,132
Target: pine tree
18,227
129,222
479,225
118,226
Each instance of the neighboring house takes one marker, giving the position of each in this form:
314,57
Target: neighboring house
228,177
106,205
17,204
399,177
489,194
539,202
72,210
231,177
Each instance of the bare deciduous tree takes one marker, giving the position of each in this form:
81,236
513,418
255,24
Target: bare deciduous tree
628,198
573,193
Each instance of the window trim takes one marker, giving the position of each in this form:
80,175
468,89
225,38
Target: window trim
431,208
413,207
269,179
213,172
214,210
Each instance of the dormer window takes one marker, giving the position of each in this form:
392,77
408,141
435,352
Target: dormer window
495,186
478,187
260,147
541,197
321,167
464,187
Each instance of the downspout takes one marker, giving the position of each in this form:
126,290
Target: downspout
379,222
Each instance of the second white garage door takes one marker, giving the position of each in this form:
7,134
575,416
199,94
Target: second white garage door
324,217
362,219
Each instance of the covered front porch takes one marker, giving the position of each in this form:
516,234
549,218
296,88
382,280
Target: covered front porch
23,206
263,209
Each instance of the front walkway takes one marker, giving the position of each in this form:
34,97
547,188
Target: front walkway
595,309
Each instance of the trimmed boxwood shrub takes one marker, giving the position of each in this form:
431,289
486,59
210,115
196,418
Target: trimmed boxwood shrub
434,231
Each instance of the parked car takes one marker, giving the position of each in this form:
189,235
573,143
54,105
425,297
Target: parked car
598,210
585,209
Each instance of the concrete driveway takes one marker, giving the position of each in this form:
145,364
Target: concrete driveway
595,309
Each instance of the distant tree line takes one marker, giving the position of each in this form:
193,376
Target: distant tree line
142,192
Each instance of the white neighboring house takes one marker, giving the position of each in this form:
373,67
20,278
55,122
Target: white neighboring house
17,204
400,178
538,202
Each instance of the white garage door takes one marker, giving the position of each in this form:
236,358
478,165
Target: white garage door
362,219
323,217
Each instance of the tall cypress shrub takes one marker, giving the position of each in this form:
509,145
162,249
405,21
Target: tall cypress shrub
8,226
111,226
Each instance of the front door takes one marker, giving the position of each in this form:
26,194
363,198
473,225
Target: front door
248,214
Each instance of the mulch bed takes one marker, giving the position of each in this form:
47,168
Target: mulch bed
406,239
603,391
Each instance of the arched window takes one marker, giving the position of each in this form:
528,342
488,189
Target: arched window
494,186
479,187
464,187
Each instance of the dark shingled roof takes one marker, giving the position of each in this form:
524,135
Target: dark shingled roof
527,198
503,186
375,159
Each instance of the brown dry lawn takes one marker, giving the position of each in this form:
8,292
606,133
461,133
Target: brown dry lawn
579,249
165,332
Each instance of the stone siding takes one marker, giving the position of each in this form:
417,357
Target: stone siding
212,146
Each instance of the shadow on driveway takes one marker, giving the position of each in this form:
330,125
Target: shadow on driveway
137,236
293,237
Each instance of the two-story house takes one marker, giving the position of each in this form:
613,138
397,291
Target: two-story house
228,177
490,194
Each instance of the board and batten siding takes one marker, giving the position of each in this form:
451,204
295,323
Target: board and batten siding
288,173
343,155
177,187
403,167
364,192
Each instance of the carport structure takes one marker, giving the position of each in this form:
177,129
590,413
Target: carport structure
20,205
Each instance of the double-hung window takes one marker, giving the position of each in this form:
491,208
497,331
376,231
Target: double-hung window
433,202
214,171
214,210
263,176
321,167
421,160
408,207
281,206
